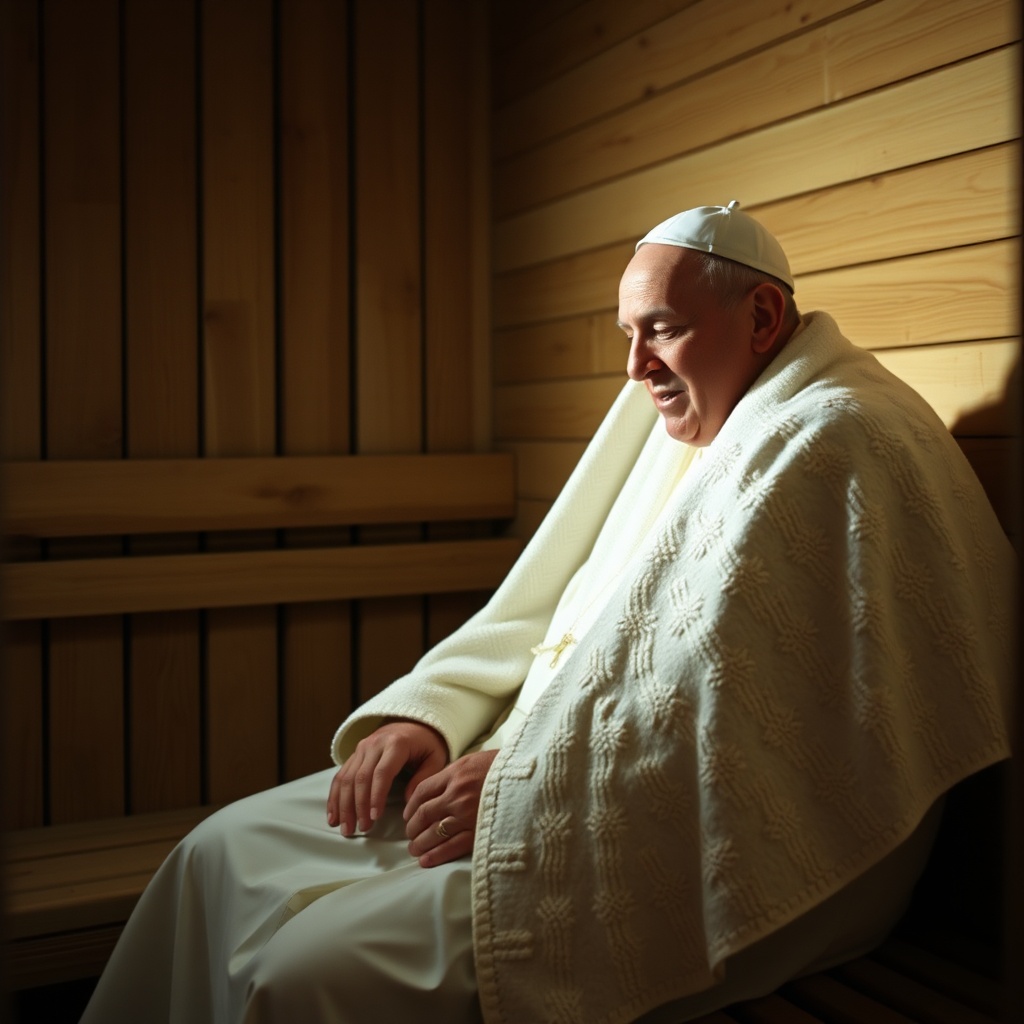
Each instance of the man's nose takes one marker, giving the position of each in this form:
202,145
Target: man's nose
640,361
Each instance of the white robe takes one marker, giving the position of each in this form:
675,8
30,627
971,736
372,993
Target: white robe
265,913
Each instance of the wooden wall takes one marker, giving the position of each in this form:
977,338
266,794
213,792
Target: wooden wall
230,227
878,140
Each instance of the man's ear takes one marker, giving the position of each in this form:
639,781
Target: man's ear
769,306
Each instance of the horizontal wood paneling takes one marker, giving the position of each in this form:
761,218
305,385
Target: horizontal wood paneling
878,141
686,41
57,499
821,65
952,295
245,579
941,113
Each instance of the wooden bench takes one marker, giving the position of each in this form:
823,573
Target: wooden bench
70,887
901,982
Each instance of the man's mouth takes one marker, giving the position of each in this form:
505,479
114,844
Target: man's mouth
663,398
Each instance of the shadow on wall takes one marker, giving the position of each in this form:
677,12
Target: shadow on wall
967,903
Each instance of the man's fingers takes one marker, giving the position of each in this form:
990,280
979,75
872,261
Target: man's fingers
431,848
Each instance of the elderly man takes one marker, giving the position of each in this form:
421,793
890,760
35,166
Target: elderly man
695,744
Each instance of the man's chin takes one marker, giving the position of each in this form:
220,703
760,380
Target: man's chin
682,429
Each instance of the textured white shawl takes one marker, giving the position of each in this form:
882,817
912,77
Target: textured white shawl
814,645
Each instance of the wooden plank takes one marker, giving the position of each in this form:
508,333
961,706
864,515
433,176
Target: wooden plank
554,410
957,201
451,179
588,344
515,20
232,579
958,294
948,111
20,279
918,1001
604,142
578,283
161,308
971,387
542,467
21,703
389,299
771,1009
21,713
316,653
592,137
239,370
101,834
578,36
939,205
837,1003
54,959
86,678
941,974
83,375
529,516
974,387
389,293
455,193
71,498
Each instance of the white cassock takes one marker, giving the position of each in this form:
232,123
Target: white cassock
264,913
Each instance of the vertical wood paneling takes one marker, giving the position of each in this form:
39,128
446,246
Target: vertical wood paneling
454,199
83,375
314,343
20,361
238,359
259,227
161,280
389,296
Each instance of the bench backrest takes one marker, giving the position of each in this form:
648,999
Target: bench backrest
184,631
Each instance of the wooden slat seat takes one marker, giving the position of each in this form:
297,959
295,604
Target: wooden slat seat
71,887
898,983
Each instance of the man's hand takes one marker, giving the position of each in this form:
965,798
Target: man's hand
360,788
450,798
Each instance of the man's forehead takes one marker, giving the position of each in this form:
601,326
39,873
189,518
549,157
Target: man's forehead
655,277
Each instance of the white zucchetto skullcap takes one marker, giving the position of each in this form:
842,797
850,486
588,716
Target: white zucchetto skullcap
725,231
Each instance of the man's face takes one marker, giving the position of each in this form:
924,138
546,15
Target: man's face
695,357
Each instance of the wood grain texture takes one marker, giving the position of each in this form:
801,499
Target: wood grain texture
953,295
941,113
389,295
83,377
885,43
954,201
161,309
974,387
21,763
960,200
542,467
75,499
648,48
235,580
239,368
554,410
315,347
588,344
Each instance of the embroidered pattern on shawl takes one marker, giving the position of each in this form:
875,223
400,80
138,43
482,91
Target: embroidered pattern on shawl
813,648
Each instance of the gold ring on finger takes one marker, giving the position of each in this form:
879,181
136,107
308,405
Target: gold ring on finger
442,831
